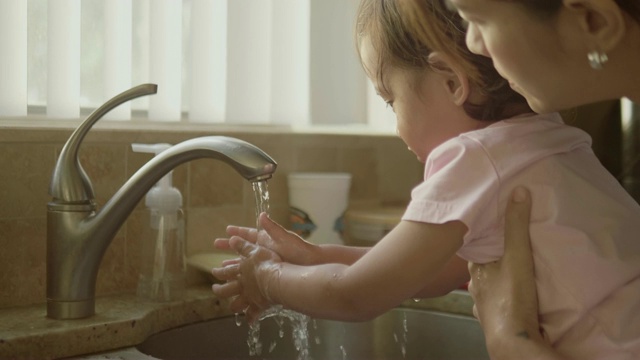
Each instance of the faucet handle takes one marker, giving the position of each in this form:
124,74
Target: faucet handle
69,183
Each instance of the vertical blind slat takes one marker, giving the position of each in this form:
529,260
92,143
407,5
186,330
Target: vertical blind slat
13,63
338,84
117,62
165,60
140,50
208,69
63,73
249,61
290,62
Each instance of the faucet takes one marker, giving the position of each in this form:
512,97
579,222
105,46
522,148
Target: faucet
78,234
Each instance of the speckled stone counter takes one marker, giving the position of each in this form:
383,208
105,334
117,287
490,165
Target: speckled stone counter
122,322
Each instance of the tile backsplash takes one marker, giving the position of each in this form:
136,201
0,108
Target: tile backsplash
214,194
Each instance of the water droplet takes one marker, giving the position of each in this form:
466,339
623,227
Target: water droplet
299,331
238,320
344,352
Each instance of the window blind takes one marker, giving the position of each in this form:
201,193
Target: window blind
215,61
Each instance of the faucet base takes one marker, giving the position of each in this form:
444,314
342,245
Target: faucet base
57,309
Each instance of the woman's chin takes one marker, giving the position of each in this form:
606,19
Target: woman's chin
540,107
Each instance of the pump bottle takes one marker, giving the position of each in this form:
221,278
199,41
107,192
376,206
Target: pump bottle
163,266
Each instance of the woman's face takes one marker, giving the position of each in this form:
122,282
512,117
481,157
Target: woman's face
425,112
540,57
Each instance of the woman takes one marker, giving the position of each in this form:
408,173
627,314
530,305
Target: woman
558,54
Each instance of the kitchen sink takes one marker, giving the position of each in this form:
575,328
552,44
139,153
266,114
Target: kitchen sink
401,333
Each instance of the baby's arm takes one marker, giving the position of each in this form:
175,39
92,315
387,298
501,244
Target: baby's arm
452,276
291,247
390,272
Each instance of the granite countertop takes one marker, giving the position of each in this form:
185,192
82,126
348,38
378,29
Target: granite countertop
122,321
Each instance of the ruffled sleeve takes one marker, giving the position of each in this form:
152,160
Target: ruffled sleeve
460,183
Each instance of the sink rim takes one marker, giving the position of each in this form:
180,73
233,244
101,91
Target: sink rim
212,332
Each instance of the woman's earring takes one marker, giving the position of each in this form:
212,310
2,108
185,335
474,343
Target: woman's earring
597,59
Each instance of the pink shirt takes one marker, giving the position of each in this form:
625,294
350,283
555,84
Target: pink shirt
585,228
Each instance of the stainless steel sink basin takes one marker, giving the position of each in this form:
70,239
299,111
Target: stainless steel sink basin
399,334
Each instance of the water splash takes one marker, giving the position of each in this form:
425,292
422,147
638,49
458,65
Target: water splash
405,332
272,346
314,323
299,322
344,352
253,340
261,195
299,328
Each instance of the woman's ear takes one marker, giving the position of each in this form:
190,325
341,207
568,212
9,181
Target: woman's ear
455,80
602,22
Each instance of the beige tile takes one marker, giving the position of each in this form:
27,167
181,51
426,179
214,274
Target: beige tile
24,184
105,166
204,225
214,183
23,256
398,172
316,159
362,164
214,194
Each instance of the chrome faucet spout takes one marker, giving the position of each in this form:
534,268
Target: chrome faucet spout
78,235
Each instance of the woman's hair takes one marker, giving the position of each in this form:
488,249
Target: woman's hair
547,8
404,38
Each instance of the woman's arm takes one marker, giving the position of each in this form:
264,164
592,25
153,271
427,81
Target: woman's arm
390,272
504,292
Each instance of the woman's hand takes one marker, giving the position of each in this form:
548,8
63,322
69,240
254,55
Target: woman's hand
504,291
248,279
288,245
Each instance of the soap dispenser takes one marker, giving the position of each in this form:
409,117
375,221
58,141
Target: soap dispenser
163,266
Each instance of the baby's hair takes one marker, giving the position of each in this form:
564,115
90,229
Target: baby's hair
380,23
405,36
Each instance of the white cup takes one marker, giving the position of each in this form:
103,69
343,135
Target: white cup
318,201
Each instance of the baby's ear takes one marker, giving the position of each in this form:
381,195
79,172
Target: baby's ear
455,79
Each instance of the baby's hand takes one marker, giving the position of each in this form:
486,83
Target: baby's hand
253,277
288,245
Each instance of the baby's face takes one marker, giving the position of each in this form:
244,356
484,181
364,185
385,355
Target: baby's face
425,111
